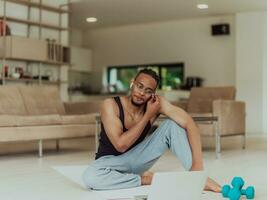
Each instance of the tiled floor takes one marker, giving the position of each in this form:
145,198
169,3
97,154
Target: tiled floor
25,176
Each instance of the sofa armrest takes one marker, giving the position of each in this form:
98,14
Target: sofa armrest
82,107
231,115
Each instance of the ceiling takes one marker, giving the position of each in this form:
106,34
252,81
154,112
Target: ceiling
126,12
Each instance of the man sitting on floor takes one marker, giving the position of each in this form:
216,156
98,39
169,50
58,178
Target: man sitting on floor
125,154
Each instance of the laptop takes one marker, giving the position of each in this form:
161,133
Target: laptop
176,186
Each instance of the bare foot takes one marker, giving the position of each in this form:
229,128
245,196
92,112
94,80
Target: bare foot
213,186
146,178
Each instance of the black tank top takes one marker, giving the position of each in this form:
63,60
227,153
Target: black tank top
106,147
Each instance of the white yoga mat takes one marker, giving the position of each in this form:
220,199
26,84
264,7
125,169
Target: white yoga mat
74,173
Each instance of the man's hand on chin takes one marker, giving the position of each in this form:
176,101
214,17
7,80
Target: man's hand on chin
213,186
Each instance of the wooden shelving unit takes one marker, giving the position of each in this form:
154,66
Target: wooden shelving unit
60,49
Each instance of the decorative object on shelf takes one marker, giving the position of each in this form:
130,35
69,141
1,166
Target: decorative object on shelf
15,75
49,56
4,28
43,77
53,50
6,71
192,81
19,70
56,52
16,72
65,54
27,75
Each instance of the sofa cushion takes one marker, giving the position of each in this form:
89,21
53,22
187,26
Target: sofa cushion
78,119
42,100
7,121
11,101
38,120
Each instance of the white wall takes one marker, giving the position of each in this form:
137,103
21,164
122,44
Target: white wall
189,41
76,37
251,62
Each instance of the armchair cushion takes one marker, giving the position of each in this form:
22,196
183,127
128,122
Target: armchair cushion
201,98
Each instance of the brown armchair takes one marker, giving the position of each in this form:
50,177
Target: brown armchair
220,102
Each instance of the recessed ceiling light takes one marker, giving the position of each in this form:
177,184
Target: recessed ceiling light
202,6
91,19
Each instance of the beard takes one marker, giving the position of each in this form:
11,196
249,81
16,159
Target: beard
137,104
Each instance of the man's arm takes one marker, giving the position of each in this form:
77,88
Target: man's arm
113,127
185,120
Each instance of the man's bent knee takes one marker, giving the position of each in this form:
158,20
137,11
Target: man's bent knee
90,178
187,148
182,137
189,162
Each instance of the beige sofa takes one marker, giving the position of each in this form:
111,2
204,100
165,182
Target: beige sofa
36,113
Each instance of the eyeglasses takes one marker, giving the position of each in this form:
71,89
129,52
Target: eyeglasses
140,88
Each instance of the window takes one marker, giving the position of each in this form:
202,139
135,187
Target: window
171,75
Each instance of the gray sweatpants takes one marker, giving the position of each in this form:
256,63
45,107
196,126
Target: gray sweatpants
124,171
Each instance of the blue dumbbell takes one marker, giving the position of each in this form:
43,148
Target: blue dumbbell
236,192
